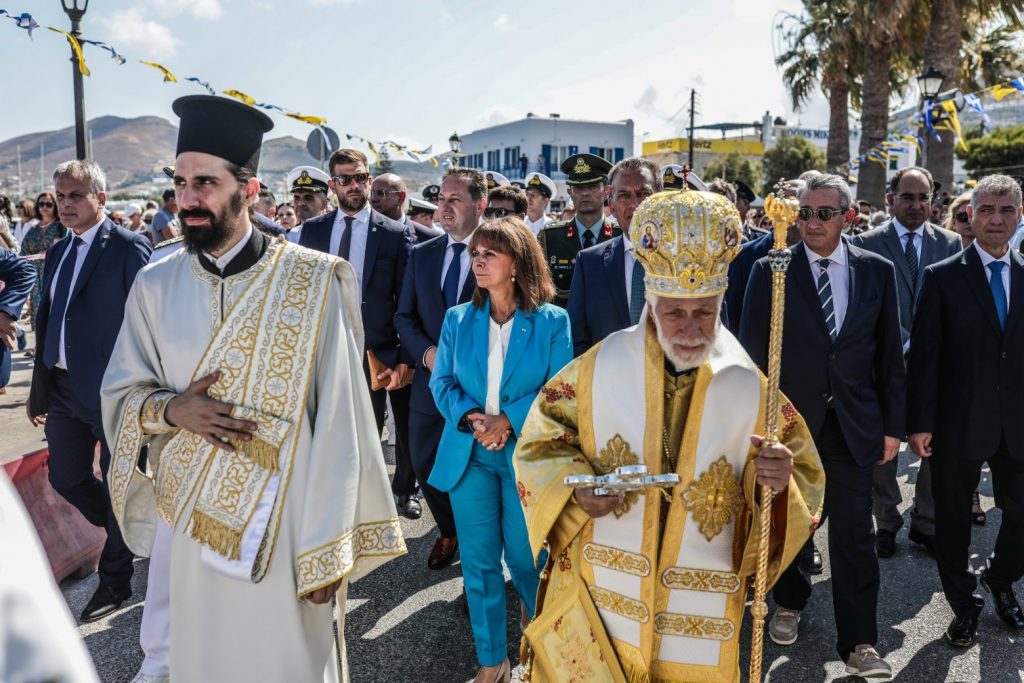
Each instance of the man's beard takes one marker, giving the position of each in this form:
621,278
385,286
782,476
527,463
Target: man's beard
209,238
351,204
686,360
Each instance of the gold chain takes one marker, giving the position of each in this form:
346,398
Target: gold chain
668,452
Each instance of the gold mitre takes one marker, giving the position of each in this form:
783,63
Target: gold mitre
685,241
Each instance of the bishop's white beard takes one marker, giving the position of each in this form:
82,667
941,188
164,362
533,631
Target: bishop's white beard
682,359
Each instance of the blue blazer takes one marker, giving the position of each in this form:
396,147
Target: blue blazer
420,313
539,347
94,313
17,275
598,304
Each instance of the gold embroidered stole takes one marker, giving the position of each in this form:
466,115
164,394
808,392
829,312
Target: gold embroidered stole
672,612
265,351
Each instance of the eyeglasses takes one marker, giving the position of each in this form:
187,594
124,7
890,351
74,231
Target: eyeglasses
380,194
46,205
924,198
961,217
823,214
360,178
490,212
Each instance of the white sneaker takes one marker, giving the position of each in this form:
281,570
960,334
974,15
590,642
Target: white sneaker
146,678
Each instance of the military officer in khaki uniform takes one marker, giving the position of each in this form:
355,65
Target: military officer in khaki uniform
585,176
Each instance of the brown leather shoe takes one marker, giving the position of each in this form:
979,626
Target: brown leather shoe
443,552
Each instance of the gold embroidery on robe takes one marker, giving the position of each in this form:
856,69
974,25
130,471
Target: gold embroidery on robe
714,498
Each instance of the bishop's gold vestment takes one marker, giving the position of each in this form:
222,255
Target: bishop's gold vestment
654,591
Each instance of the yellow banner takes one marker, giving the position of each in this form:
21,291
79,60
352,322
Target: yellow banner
76,47
752,147
312,120
239,95
168,76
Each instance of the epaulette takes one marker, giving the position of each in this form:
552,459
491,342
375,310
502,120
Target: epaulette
555,225
167,243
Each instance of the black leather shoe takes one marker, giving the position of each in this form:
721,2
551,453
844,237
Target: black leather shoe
409,507
885,543
810,561
926,540
1007,606
964,629
442,553
106,600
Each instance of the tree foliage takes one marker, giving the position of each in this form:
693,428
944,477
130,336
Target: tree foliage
733,166
788,159
1001,151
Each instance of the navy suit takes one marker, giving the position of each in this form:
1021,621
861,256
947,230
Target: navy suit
384,262
598,304
966,386
17,276
739,275
851,393
71,399
418,232
421,310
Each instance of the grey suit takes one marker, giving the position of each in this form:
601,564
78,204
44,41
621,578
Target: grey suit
935,245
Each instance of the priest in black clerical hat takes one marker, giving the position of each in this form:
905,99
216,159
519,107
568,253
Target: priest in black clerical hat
222,127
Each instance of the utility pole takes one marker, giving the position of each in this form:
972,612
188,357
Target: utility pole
693,114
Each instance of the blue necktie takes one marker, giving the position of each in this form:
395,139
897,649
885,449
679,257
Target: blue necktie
59,305
450,289
637,293
825,295
998,291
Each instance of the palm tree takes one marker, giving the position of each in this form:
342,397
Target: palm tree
951,21
821,51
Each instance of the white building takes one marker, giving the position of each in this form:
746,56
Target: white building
541,143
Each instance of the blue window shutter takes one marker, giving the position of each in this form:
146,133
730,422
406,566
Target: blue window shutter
619,154
573,149
593,150
545,151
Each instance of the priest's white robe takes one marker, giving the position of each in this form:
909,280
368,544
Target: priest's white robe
337,520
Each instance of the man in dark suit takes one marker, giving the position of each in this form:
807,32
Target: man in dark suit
965,394
601,298
378,248
842,367
585,176
86,281
912,244
17,275
388,195
439,276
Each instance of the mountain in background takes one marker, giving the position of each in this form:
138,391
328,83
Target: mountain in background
133,153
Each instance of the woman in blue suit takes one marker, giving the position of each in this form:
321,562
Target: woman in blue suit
494,355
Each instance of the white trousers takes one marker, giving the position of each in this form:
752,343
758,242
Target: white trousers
155,632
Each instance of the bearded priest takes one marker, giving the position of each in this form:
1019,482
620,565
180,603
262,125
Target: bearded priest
651,586
239,365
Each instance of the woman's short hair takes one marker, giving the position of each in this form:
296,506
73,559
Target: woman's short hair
36,213
510,236
28,207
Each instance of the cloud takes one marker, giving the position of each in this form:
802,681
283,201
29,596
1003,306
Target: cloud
343,3
132,31
647,102
200,9
492,116
502,24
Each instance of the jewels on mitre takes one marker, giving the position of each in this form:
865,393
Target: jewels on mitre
685,241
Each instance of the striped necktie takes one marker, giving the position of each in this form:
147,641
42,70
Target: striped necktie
911,253
825,296
637,293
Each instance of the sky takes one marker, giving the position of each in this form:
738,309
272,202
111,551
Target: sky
407,70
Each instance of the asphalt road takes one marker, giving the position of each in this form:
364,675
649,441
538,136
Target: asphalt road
405,623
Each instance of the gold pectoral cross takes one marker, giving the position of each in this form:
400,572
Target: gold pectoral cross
714,498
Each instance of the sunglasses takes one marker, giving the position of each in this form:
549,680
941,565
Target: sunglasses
824,214
45,205
962,217
360,178
381,194
497,213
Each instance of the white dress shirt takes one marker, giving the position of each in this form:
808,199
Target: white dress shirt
539,224
497,346
221,262
905,234
987,258
357,248
464,262
629,261
839,278
83,250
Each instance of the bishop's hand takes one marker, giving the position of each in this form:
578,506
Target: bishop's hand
211,419
597,506
774,464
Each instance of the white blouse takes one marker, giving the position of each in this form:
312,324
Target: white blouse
497,345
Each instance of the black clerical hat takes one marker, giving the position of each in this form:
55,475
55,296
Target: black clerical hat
222,127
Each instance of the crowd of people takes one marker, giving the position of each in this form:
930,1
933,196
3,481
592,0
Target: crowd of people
218,367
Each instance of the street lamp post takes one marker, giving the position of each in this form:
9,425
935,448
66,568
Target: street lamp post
455,143
929,83
75,9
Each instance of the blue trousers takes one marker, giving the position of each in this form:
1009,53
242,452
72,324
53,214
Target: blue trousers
490,522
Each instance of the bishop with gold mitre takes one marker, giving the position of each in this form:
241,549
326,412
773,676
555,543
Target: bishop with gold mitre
651,586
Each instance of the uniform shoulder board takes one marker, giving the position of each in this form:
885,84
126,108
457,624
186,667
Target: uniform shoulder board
167,243
555,225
